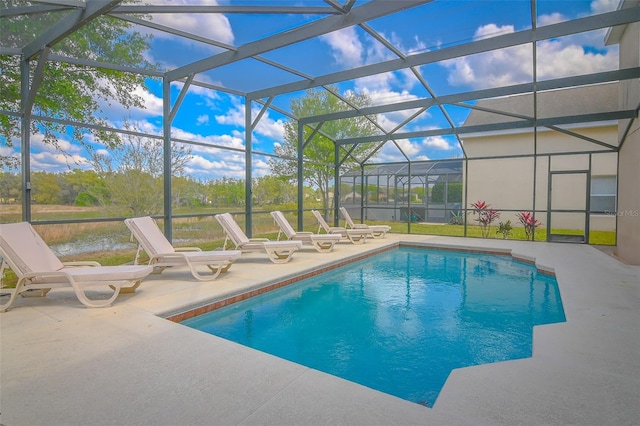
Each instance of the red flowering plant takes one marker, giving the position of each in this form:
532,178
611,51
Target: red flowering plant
485,216
529,223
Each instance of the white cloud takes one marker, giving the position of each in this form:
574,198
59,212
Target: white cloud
266,126
390,87
569,60
226,164
381,95
152,106
56,162
10,151
202,119
492,30
418,149
211,163
349,50
220,140
553,18
37,144
437,142
602,6
556,58
208,94
390,152
346,47
214,26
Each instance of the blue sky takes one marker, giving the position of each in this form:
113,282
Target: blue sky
218,118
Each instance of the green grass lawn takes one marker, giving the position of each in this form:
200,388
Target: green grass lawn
595,237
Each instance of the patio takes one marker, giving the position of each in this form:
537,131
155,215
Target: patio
63,364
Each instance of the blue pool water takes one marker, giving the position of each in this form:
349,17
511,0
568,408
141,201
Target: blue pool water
399,321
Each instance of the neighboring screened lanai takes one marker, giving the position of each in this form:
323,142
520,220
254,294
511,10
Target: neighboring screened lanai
407,112
430,190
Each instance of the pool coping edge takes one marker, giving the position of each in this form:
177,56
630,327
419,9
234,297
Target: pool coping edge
193,310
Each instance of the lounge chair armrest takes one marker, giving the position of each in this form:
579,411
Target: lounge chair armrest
46,274
82,263
188,249
259,239
166,256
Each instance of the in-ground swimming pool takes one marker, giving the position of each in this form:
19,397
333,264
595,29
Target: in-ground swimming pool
399,321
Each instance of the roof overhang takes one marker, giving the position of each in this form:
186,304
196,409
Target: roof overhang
614,34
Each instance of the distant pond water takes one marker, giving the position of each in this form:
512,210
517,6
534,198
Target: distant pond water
101,244
98,244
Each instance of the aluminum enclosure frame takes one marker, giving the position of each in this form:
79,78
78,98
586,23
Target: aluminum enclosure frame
333,17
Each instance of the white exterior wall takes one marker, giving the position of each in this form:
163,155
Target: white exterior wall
553,142
508,183
628,214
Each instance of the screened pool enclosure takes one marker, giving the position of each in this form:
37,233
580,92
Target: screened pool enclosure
406,112
406,192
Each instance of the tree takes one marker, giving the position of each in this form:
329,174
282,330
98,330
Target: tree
319,153
10,188
132,173
69,91
79,184
273,190
46,188
226,192
186,192
454,192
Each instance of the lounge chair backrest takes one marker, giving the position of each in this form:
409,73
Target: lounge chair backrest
323,223
25,251
347,217
149,235
283,223
235,233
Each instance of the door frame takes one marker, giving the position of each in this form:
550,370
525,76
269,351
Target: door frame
565,237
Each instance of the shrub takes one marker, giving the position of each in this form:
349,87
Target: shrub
485,216
529,222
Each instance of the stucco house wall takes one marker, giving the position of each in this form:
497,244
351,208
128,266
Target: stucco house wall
628,210
508,183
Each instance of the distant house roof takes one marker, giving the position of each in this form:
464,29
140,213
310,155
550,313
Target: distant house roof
553,103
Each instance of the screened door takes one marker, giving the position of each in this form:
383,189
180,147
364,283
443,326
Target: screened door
567,218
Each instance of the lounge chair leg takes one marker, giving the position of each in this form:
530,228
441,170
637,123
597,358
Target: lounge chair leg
95,304
223,267
197,276
129,289
157,270
11,293
279,257
323,247
357,239
35,292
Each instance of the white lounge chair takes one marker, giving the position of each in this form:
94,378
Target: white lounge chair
323,243
378,231
356,236
162,254
278,251
39,269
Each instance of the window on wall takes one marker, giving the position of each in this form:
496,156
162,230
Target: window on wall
603,194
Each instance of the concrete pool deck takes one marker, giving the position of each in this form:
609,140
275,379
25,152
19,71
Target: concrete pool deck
63,364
